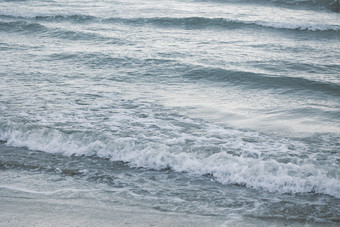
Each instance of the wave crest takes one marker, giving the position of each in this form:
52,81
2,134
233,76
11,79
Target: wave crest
230,156
177,22
204,22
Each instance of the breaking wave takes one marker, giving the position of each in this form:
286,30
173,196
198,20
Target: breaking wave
231,156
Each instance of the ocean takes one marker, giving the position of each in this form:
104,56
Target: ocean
207,112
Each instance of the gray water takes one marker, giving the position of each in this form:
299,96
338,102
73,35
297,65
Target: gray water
227,109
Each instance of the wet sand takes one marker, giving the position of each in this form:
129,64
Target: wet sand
17,211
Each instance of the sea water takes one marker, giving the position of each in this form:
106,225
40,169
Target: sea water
224,109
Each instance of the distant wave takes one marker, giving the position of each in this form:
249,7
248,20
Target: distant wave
203,22
73,17
332,5
262,81
45,16
32,27
22,26
181,22
250,79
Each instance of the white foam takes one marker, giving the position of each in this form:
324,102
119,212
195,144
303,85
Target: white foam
228,156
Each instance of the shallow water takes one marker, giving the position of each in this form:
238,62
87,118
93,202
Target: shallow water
212,108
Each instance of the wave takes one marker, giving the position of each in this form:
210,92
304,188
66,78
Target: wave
46,16
77,18
180,22
262,81
204,22
33,27
22,26
332,5
230,156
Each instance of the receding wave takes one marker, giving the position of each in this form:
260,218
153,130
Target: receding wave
30,191
262,81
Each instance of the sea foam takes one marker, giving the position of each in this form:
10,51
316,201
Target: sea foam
231,156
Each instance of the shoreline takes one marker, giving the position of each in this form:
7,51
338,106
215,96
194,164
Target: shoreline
17,211
38,198
20,211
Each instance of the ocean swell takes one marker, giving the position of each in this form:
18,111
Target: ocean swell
175,22
262,81
204,22
331,5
